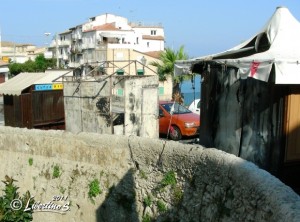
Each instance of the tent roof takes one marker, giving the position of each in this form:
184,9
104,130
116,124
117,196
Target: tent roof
277,44
17,84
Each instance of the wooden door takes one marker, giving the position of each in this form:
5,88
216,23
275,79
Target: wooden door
293,128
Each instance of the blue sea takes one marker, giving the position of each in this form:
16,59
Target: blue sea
189,97
191,90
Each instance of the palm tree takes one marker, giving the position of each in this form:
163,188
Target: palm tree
166,64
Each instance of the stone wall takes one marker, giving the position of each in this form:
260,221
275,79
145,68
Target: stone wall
140,178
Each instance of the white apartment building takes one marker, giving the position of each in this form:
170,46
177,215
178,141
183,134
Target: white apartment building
90,42
109,38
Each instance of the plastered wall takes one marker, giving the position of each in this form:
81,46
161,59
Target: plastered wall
140,178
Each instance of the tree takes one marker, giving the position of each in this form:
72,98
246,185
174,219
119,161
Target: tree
15,68
40,64
166,67
29,66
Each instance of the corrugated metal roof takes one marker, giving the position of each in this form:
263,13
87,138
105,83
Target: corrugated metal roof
17,84
49,77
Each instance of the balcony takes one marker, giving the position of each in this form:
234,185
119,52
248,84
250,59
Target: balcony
88,46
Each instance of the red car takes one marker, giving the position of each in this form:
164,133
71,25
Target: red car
176,121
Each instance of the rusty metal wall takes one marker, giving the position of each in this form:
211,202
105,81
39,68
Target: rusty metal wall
12,111
26,111
47,108
39,109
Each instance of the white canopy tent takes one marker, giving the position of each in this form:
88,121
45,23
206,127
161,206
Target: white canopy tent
276,45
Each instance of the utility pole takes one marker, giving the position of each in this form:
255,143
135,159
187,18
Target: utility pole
46,43
46,53
56,43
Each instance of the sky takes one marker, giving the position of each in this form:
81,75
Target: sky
203,27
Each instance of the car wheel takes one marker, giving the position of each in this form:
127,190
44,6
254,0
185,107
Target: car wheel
175,133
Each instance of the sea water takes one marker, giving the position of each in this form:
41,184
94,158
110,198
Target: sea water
189,97
191,90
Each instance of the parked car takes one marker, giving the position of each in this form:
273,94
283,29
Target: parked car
176,121
195,106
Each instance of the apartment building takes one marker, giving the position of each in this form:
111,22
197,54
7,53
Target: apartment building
92,41
107,39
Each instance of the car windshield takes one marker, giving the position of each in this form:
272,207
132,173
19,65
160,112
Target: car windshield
178,109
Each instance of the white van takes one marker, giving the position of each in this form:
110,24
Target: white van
195,106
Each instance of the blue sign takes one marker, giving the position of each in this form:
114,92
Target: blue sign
43,87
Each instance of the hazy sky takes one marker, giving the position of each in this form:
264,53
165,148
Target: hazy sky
203,27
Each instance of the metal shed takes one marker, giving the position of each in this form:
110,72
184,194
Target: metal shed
32,100
250,98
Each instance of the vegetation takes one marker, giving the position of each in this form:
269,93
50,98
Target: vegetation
30,161
146,218
142,174
147,201
62,190
166,66
94,189
40,64
12,205
161,206
169,179
56,171
177,195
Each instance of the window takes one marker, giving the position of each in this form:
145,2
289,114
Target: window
161,91
153,32
148,44
178,109
120,92
137,40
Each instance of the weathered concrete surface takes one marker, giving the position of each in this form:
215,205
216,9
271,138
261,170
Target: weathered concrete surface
209,185
90,105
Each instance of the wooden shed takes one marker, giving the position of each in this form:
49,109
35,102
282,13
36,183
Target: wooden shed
32,100
250,98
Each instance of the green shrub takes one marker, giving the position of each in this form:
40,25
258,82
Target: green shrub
30,161
12,205
94,189
169,179
147,201
161,206
56,171
146,218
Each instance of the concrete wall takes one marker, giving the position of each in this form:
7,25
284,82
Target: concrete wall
141,107
141,177
91,106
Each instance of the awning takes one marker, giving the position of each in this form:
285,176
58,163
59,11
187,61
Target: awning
112,34
4,69
276,46
17,84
